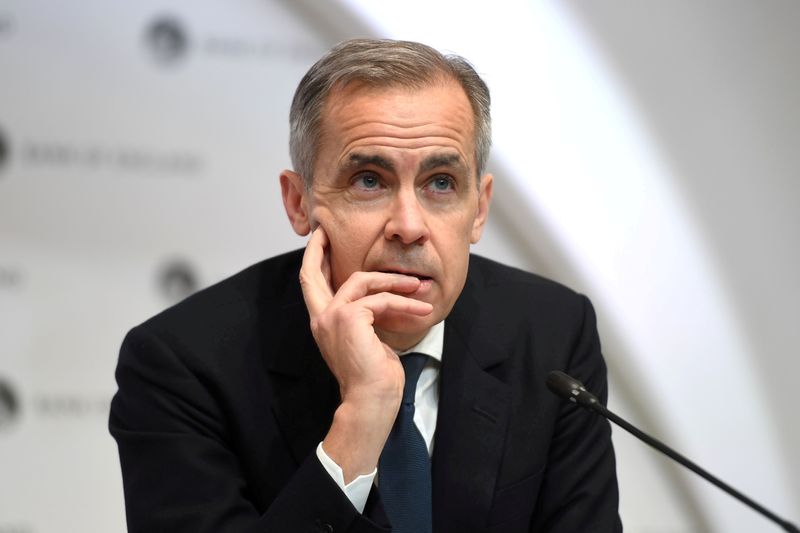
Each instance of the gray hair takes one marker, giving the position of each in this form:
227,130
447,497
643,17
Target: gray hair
380,63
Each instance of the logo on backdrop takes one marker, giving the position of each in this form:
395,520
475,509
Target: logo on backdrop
10,277
3,150
123,159
6,24
177,280
167,40
64,405
9,404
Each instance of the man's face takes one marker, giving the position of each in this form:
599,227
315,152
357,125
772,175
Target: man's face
395,189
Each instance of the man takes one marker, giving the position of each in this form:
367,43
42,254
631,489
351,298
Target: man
264,404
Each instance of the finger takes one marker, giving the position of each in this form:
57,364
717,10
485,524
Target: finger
361,284
384,302
326,253
313,279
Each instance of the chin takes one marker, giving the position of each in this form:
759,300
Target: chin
401,331
401,323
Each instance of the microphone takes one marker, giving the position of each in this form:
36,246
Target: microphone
569,388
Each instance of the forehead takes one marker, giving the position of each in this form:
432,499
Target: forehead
434,117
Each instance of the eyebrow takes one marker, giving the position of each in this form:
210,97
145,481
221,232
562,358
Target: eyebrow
434,161
359,160
442,160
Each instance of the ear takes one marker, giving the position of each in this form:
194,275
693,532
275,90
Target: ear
484,199
295,201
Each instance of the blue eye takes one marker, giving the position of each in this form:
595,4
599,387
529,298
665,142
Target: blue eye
442,183
368,181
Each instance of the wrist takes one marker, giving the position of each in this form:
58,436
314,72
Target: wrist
371,401
357,435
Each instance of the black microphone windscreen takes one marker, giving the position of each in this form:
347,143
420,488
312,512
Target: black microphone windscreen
562,384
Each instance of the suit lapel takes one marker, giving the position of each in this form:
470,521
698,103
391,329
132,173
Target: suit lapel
472,416
306,393
472,421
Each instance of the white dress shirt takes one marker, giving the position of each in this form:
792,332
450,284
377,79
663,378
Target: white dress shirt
426,406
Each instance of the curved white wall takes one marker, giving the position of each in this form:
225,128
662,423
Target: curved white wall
593,109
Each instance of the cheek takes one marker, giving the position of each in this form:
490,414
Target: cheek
454,239
453,249
350,242
456,269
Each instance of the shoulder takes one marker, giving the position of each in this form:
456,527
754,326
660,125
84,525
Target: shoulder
235,303
517,308
504,287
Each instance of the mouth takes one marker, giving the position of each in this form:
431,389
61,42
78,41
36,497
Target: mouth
421,277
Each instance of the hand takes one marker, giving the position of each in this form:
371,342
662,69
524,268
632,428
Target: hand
342,323
368,371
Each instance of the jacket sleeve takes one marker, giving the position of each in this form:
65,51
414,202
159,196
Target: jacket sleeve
579,490
180,470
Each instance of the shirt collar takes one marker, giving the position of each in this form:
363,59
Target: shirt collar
431,344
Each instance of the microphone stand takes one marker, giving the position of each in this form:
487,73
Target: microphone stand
570,388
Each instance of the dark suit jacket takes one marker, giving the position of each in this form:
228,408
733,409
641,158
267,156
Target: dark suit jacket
223,399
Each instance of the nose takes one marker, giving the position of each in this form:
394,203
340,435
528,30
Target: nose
407,223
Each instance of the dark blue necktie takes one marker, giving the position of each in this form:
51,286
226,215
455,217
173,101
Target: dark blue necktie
404,469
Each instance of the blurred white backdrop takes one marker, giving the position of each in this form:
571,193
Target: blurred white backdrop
644,154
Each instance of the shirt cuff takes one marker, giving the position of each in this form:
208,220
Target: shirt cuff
357,491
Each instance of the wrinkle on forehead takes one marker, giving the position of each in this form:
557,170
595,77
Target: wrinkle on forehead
359,117
378,143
